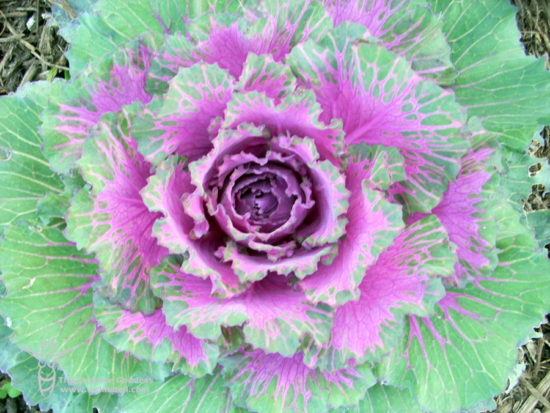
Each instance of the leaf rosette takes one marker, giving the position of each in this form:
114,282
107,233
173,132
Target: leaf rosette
278,205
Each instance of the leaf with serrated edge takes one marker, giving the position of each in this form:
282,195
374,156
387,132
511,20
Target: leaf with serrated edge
373,224
269,27
295,115
121,21
116,80
467,210
252,268
328,183
175,231
111,219
264,75
148,337
383,165
408,29
270,383
179,121
277,316
406,279
381,100
465,352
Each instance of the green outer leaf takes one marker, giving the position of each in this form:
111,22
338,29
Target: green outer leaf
386,399
64,398
25,174
55,205
181,393
465,353
420,39
517,183
49,296
117,79
8,351
496,81
277,316
540,222
120,21
408,29
24,370
103,402
62,18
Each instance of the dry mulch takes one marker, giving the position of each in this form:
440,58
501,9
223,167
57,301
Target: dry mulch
31,50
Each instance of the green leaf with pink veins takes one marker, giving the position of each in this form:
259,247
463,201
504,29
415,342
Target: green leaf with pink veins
49,285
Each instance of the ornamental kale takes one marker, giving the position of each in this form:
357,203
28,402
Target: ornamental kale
274,206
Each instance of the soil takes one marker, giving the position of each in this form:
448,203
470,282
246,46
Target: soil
31,50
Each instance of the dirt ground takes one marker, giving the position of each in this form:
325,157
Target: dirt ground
31,50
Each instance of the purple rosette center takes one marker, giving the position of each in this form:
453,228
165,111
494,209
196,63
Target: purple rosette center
263,192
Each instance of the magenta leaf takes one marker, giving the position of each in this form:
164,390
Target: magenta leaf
262,28
148,337
276,316
111,219
408,29
271,27
373,224
164,194
435,355
281,25
117,79
382,101
178,122
467,210
406,279
294,115
271,383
